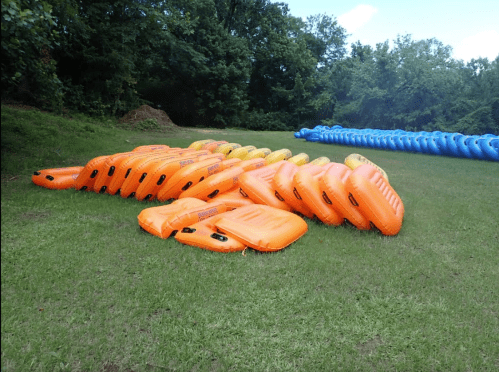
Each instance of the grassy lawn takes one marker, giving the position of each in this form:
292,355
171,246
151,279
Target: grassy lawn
83,289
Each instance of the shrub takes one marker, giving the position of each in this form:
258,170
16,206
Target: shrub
258,120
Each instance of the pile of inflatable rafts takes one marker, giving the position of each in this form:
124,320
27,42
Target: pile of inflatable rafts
226,197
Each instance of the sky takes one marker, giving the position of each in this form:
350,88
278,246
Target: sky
470,27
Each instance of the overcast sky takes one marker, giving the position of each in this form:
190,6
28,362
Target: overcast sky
471,28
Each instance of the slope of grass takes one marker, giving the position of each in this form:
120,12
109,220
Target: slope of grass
83,289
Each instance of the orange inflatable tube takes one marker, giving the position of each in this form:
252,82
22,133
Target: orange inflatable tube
227,148
307,183
370,192
283,186
215,184
205,235
125,168
164,221
140,171
257,185
252,164
87,177
181,152
188,176
198,144
223,181
56,178
187,151
211,146
211,156
112,163
229,163
157,177
261,227
335,194
151,148
233,199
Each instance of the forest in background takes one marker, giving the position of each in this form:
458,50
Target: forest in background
236,63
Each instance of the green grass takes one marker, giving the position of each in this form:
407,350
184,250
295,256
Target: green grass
118,299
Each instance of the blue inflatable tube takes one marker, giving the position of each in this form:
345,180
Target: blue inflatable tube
488,148
462,147
313,137
415,144
349,140
475,150
363,140
398,142
452,145
383,140
406,140
423,143
370,141
390,143
433,146
442,143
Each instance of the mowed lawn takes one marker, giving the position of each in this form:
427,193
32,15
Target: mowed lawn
84,289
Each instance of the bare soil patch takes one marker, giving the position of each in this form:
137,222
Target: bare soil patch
147,112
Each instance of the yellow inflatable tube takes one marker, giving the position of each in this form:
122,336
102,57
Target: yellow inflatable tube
353,161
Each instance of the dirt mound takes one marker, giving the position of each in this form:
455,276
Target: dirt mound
147,112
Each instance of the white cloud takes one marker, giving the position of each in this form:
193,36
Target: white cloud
484,44
357,17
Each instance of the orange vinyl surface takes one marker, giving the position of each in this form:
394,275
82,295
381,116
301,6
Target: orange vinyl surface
151,148
165,220
232,199
376,199
262,227
188,176
306,181
108,171
211,146
87,177
334,193
56,178
284,187
141,170
205,235
159,175
257,184
214,185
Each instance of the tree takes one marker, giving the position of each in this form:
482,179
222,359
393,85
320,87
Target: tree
476,109
203,73
105,48
326,39
409,87
28,37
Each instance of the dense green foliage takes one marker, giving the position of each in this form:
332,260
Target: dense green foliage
226,63
28,34
418,86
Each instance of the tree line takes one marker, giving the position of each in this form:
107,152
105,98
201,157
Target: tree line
236,63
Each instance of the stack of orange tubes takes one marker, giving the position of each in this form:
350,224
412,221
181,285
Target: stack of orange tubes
253,198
